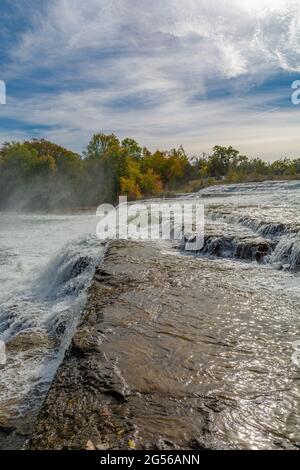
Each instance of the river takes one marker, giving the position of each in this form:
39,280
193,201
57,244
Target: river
252,233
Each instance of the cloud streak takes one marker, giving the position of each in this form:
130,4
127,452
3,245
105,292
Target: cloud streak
167,73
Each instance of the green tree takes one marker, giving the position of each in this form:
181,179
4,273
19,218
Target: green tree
222,157
133,148
103,167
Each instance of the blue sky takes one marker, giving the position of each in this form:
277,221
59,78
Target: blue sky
166,72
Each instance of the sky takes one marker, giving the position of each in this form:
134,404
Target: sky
196,73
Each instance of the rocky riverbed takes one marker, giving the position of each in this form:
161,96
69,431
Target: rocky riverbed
175,352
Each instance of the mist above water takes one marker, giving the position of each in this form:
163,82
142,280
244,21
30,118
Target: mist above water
47,263
251,233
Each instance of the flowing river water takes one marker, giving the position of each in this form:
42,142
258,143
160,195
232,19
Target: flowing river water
251,245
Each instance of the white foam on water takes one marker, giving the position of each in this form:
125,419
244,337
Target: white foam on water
47,263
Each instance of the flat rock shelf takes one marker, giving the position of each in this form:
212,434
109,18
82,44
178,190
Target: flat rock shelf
167,356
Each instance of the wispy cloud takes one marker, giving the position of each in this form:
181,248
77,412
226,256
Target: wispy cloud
166,72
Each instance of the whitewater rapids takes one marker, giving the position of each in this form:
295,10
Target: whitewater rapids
48,261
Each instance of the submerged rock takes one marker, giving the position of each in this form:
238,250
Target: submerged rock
103,391
168,357
29,340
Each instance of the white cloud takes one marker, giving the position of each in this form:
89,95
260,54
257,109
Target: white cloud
238,33
163,53
228,121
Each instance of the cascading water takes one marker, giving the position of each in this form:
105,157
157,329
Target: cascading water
43,290
255,222
287,253
47,262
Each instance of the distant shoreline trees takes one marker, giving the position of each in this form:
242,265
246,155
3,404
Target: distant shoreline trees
41,175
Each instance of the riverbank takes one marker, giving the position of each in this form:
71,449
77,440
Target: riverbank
166,357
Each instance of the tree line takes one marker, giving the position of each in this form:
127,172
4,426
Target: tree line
39,174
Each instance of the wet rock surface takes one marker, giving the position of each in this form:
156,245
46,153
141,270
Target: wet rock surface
16,428
93,399
167,357
29,340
